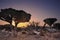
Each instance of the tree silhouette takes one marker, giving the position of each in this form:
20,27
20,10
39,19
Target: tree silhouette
49,21
6,15
21,16
10,14
35,25
56,26
18,15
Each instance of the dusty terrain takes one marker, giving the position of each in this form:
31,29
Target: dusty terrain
47,36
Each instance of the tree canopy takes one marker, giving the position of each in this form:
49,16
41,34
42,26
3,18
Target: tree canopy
19,15
50,21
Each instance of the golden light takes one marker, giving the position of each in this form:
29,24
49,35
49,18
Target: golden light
13,23
22,25
25,24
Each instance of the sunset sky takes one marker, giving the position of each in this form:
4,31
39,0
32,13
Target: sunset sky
39,9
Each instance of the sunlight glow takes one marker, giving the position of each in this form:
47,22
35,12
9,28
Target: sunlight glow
22,25
13,23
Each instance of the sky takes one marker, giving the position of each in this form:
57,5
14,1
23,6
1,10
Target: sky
39,9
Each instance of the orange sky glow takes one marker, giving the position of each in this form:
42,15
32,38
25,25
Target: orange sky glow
39,9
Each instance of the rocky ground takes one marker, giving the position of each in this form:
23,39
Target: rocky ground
47,36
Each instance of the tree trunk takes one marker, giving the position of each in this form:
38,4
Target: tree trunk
42,30
44,26
15,29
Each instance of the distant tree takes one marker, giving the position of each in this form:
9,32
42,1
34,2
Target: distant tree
37,26
37,23
5,15
56,26
33,26
49,21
